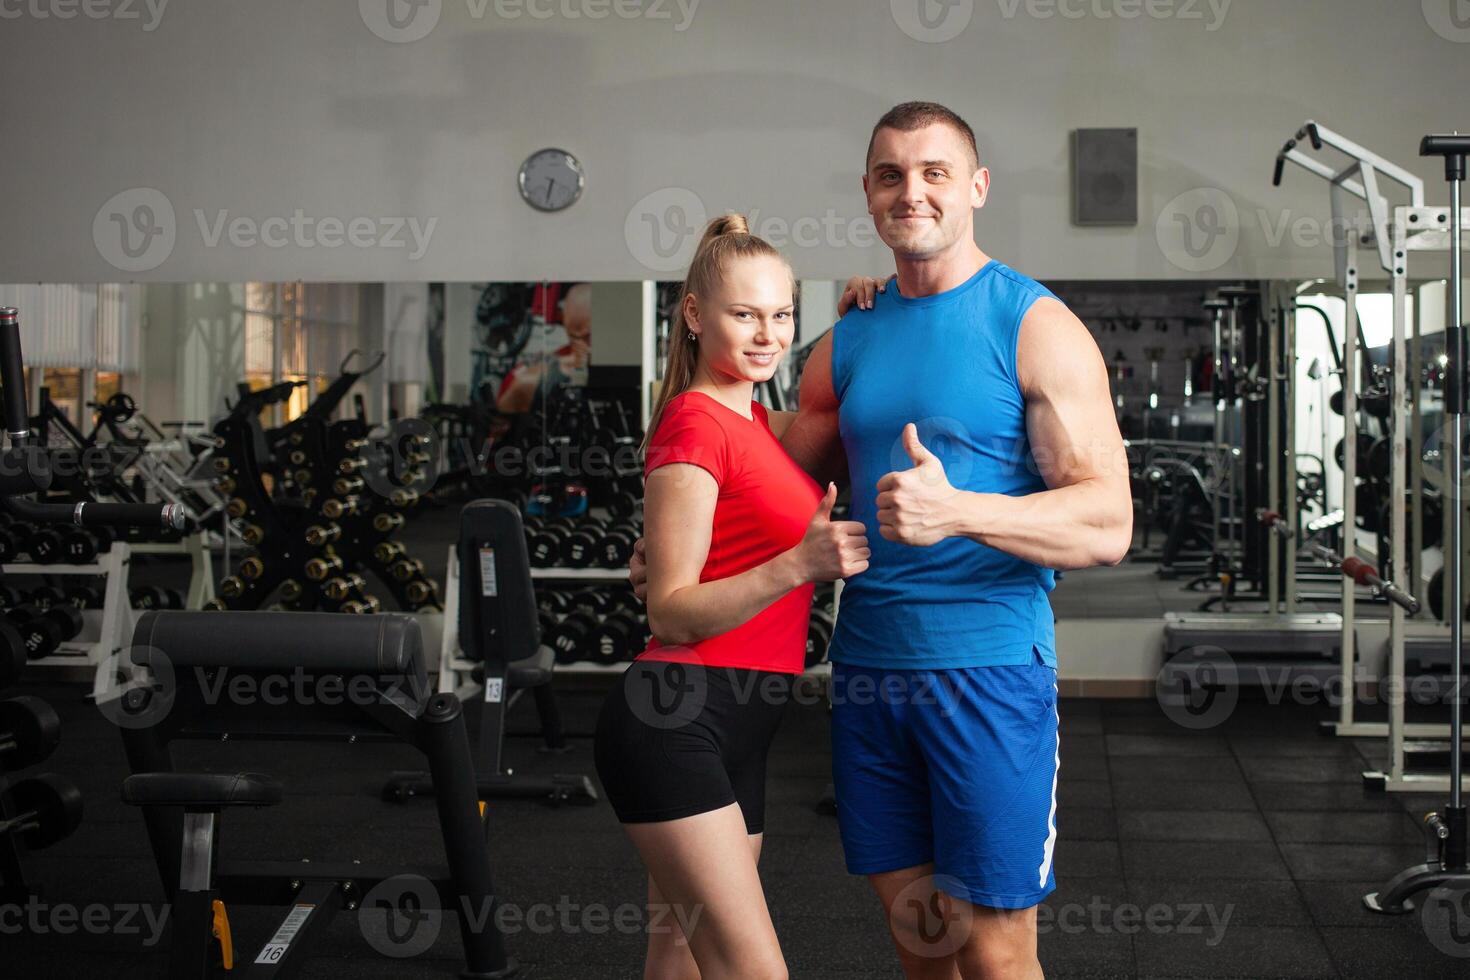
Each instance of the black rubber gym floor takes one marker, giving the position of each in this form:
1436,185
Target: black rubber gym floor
1260,819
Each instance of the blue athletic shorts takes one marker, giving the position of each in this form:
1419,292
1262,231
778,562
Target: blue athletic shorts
957,768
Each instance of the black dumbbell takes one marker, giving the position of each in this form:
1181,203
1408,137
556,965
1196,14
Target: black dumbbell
422,593
46,596
597,602
579,547
39,636
46,808
11,541
44,545
13,655
545,547
30,730
341,588
387,523
818,637
620,637
406,569
387,552
84,596
623,503
10,597
154,597
68,617
43,630
321,568
78,546
615,549
554,603
572,637
323,534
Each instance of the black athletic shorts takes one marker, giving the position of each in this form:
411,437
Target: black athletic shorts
675,740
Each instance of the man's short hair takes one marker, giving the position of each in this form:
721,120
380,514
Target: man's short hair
916,115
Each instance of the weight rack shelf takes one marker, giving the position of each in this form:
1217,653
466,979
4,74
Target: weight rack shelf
454,667
581,574
30,568
113,623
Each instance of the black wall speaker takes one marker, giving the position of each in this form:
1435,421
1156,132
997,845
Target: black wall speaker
1105,177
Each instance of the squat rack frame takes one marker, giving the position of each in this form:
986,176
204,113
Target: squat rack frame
1395,234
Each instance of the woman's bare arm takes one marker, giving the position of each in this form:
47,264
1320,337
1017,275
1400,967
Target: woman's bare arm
678,518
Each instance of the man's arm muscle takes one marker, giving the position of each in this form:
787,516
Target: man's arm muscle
812,439
1085,517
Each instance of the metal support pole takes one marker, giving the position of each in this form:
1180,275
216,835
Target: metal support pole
1287,319
1274,500
1221,477
1398,420
1234,436
1413,573
1457,469
1349,476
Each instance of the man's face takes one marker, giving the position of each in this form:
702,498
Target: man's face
923,190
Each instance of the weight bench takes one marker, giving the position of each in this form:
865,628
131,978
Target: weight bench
499,631
194,659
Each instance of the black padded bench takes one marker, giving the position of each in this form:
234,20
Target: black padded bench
191,658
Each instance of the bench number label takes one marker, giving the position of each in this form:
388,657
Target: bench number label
272,951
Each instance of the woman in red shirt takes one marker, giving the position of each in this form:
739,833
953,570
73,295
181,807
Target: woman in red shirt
735,536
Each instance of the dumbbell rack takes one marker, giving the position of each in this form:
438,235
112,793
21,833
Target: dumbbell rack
201,577
114,622
587,576
329,525
455,667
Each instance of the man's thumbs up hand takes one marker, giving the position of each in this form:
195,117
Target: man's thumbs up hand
913,504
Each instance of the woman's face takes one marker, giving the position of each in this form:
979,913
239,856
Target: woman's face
747,325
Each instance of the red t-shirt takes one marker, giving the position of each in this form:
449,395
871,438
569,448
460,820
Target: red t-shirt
766,502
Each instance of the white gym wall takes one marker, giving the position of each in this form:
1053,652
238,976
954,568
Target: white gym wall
240,115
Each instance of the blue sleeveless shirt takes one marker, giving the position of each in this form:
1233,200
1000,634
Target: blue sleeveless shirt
948,364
